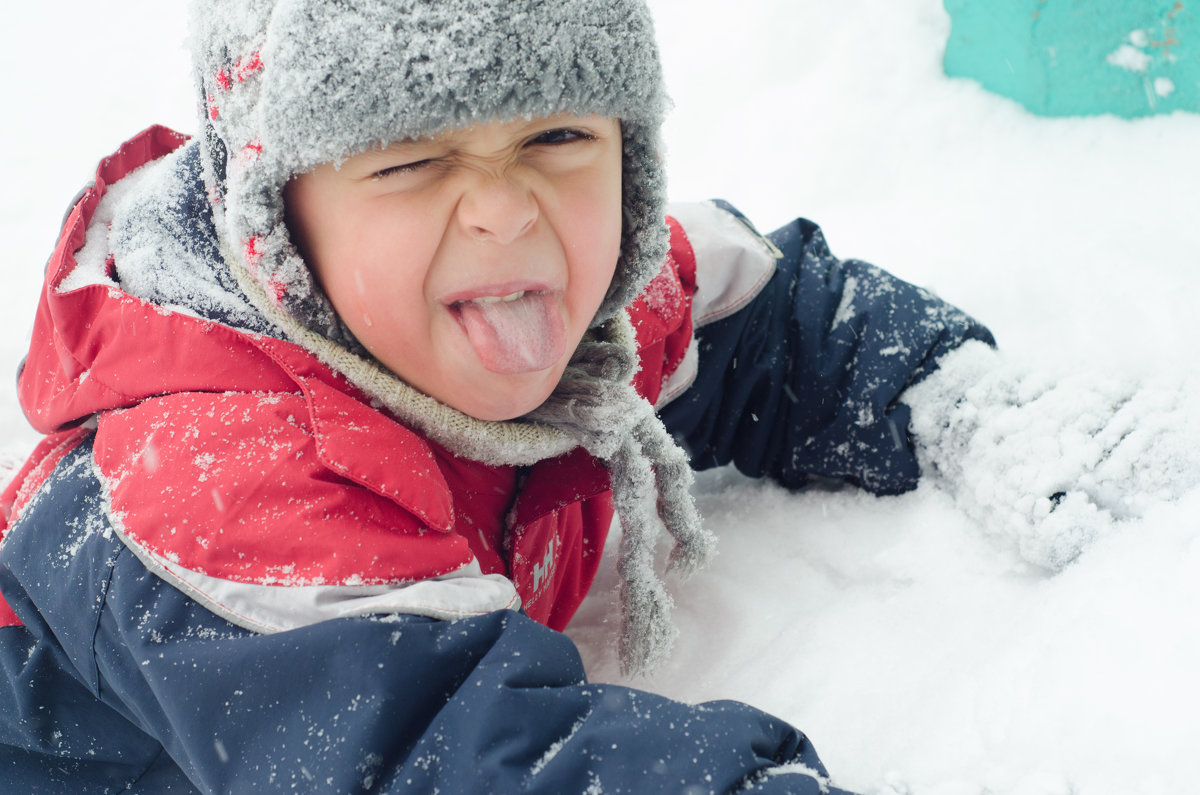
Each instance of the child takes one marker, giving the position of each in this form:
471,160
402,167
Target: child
343,393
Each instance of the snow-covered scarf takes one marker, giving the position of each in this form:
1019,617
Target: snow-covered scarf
290,84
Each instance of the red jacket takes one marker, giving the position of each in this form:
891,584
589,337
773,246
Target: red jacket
259,481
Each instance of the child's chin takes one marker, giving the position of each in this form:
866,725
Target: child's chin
506,397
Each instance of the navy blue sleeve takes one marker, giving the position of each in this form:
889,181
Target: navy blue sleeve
804,380
119,680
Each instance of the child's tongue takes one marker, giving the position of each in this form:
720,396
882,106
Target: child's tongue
515,336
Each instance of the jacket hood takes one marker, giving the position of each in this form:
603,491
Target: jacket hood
95,347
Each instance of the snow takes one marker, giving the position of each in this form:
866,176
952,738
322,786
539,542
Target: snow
917,651
1130,58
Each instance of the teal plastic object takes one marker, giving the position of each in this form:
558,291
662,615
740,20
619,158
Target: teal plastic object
1080,57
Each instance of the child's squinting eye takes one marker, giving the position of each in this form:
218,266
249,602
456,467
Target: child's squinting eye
403,168
562,135
554,137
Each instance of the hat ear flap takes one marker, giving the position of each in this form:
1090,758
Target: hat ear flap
644,234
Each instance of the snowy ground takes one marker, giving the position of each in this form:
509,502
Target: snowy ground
920,656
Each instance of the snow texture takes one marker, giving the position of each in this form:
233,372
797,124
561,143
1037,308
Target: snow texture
916,647
1130,58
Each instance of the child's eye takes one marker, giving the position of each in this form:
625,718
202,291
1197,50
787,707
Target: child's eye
403,168
562,135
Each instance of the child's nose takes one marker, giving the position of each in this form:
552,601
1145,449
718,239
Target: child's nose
498,209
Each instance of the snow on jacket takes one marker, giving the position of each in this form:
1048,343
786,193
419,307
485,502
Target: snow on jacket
301,533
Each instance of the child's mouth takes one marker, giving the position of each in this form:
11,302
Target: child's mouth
518,332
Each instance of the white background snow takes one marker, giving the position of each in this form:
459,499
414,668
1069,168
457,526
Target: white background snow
918,654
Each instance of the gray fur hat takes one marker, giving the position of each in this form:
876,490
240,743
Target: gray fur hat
291,84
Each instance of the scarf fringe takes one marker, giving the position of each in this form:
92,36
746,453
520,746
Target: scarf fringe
673,478
596,404
649,464
647,633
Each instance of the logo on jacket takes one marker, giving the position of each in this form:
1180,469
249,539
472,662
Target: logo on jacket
541,571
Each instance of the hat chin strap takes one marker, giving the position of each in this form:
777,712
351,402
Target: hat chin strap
596,404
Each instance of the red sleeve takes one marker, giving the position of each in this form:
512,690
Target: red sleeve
662,316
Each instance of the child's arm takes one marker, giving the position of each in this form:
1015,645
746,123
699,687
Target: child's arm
837,369
805,379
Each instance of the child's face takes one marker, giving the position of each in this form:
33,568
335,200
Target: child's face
470,263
